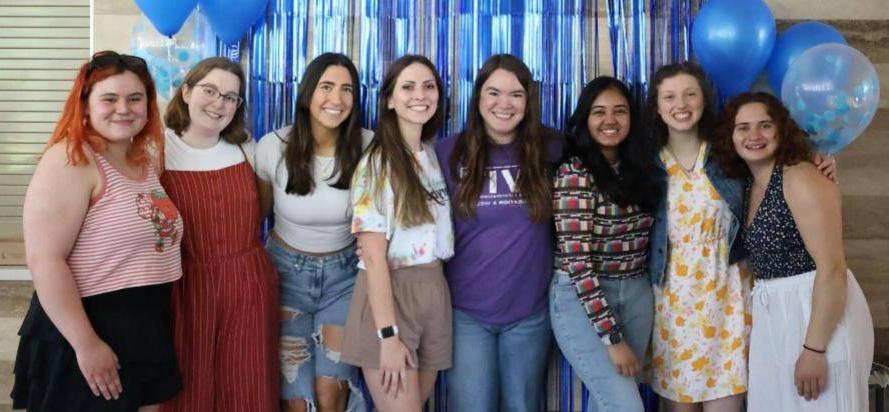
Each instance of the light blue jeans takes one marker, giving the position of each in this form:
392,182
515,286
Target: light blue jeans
499,367
633,304
314,291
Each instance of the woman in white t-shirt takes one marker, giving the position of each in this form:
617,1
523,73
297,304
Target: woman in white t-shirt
304,173
399,324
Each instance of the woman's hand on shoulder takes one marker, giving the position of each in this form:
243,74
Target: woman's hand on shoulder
827,164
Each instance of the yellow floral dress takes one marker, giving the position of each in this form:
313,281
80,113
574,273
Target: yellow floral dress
702,318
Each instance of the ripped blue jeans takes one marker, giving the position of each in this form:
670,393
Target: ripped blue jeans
314,292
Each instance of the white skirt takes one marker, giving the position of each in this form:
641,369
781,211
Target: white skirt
781,311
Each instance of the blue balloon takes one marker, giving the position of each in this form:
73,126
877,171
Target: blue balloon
832,91
167,16
231,19
793,42
732,41
170,59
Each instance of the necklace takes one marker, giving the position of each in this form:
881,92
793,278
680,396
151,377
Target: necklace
679,162
325,164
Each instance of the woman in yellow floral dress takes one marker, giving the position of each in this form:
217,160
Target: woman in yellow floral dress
702,319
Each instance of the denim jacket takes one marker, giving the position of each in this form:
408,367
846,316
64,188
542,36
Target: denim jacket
731,190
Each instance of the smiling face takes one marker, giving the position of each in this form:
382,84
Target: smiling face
212,102
415,95
755,133
502,105
680,102
118,107
332,99
609,120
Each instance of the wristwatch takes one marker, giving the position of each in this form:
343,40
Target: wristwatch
387,332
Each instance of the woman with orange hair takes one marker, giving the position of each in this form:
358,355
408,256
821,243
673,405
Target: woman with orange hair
102,244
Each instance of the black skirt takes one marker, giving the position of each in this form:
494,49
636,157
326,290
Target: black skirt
134,322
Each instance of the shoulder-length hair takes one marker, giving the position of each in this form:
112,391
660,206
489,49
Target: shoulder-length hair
74,128
176,116
634,185
389,156
707,123
471,150
300,146
792,144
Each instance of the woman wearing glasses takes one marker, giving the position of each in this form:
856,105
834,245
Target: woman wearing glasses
225,307
102,245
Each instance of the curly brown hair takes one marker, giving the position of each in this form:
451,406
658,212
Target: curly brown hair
792,144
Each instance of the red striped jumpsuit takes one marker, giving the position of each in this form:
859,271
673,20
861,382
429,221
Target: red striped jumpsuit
225,307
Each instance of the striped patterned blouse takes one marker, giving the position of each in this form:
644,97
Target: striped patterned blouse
129,237
596,238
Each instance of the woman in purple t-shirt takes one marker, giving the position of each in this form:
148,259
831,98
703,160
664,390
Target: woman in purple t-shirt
503,258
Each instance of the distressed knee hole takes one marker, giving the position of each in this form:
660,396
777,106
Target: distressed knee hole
355,400
294,352
288,313
330,337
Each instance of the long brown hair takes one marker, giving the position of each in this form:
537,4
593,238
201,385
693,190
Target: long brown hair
74,128
176,116
792,145
389,155
300,146
473,144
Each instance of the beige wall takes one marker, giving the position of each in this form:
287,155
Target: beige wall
829,9
113,22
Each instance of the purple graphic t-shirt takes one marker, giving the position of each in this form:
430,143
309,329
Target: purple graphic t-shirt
503,261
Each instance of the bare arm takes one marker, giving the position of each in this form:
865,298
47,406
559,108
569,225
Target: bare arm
379,285
815,204
394,355
55,205
266,198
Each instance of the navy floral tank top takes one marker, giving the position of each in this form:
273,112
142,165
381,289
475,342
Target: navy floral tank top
773,240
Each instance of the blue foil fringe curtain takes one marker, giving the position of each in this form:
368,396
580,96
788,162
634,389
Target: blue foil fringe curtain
559,40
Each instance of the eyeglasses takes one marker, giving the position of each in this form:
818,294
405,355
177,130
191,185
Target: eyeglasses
109,58
210,93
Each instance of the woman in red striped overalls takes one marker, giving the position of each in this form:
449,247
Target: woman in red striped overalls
225,307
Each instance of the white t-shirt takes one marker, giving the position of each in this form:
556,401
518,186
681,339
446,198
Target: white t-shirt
317,222
182,157
407,246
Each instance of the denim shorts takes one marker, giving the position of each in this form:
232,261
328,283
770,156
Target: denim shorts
314,291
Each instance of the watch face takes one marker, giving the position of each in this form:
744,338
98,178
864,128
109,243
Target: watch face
386,332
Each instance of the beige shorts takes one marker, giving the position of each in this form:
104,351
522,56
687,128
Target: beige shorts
423,315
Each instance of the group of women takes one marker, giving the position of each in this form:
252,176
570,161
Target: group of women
406,256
